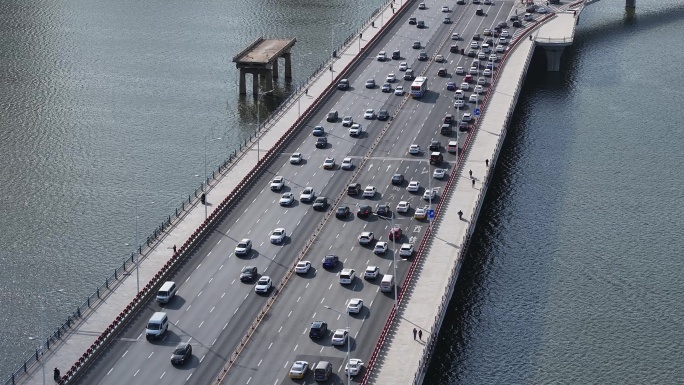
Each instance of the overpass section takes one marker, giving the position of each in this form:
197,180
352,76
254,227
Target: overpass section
223,309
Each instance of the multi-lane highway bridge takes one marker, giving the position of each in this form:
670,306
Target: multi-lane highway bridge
241,337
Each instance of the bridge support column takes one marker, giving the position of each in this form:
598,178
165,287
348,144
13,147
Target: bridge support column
275,69
630,3
255,83
243,86
553,56
288,65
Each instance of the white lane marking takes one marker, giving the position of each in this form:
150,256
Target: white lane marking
322,299
304,332
188,379
224,294
330,287
271,344
187,279
189,306
279,330
212,309
176,323
211,279
219,241
250,379
110,370
260,361
236,310
299,299
202,357
124,355
289,314
136,373
225,326
200,325
287,362
162,376
212,344
151,354
295,348
221,267
200,293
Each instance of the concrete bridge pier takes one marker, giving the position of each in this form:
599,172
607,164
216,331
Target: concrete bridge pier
630,3
553,57
261,60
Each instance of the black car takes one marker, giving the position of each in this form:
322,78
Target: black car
460,2
383,115
332,116
396,55
503,24
181,354
248,274
322,142
343,84
454,48
330,261
513,18
479,11
364,211
383,210
353,188
422,56
421,24
476,36
531,9
397,179
517,24
319,329
412,21
342,212
463,127
416,45
435,145
472,53
320,204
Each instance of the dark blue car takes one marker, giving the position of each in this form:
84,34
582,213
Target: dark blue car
451,86
330,261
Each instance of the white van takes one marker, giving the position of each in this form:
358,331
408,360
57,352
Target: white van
485,48
167,291
387,283
452,146
157,326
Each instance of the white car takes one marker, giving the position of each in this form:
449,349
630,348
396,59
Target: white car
541,10
278,235
481,81
459,103
369,192
439,58
403,66
347,121
303,267
455,36
399,91
347,276
406,250
296,158
366,238
413,186
382,56
355,305
481,55
263,285
493,57
278,183
391,78
487,72
467,117
505,33
307,195
528,17
414,149
478,89
429,194
339,337
439,173
354,365
465,86
503,40
403,207
243,247
473,70
299,369
371,272
286,199
420,213
459,71
459,94
347,164
500,48
472,98
380,248
445,8
474,45
369,114
329,163
355,130
422,6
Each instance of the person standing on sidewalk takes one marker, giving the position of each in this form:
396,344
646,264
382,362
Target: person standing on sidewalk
414,333
486,162
471,174
460,214
420,335
473,183
174,249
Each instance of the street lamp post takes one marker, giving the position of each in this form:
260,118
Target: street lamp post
258,128
348,339
332,57
41,346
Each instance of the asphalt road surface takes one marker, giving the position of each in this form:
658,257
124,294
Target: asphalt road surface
213,308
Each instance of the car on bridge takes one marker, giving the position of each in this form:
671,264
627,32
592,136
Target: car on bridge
369,114
451,86
403,207
370,192
299,369
414,149
355,130
321,142
403,66
421,213
355,305
347,121
329,163
339,337
318,131
395,232
380,248
307,195
248,274
353,367
366,238
319,329
263,285
342,212
278,235
320,204
364,211
383,114
371,272
303,267
244,247
332,116
347,164
296,158
347,276
286,199
343,84
439,173
278,183
370,83
382,56
386,88
413,186
330,261
430,194
397,179
406,250
399,90
181,354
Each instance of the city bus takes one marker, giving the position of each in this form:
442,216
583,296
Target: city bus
419,87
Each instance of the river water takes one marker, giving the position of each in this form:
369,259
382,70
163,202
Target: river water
109,107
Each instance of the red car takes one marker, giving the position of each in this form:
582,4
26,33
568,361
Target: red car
468,79
395,233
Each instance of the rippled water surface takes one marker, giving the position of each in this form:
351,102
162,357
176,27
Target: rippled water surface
106,106
575,274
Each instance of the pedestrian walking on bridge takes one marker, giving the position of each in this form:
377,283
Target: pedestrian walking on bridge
420,335
414,333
